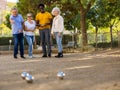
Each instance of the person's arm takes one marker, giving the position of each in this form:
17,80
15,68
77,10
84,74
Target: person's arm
22,23
37,21
29,30
61,26
26,29
11,20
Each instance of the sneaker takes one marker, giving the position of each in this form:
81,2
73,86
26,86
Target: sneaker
30,56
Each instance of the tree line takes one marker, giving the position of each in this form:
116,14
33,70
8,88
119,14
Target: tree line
79,13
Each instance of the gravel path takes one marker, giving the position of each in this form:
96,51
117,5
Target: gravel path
84,71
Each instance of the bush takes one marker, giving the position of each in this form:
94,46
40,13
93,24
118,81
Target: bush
5,40
106,44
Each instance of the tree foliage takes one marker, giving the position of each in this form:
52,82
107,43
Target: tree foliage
105,14
7,21
78,13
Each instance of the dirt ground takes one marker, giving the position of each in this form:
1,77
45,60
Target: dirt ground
98,70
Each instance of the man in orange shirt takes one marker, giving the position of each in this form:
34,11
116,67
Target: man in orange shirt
43,20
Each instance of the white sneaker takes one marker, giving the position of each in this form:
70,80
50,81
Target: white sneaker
30,56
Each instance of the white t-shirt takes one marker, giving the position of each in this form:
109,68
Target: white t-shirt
30,26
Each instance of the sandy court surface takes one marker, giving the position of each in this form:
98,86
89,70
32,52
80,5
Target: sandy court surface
84,71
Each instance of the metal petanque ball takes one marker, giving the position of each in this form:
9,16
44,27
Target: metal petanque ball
24,75
29,78
61,75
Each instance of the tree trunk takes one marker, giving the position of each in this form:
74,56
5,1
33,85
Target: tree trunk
83,29
118,34
111,36
96,40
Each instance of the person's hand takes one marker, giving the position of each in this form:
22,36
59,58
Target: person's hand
42,25
12,21
32,30
52,35
38,25
60,34
20,31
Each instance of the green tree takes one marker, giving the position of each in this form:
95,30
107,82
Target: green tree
31,6
111,9
7,21
81,7
71,8
96,18
27,6
85,6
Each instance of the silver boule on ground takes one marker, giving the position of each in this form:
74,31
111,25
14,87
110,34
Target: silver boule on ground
29,79
61,75
24,75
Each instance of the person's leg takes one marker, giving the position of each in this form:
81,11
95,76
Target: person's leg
47,39
59,44
30,44
33,40
15,37
21,41
42,36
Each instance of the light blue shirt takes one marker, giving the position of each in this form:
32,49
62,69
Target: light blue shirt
17,25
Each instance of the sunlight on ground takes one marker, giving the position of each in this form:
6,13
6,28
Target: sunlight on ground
72,68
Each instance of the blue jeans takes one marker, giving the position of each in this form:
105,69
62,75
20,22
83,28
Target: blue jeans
18,39
59,42
45,40
30,41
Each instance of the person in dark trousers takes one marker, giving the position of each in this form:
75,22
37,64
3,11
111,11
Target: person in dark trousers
57,30
44,20
17,21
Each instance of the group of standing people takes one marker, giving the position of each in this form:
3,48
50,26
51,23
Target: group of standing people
47,26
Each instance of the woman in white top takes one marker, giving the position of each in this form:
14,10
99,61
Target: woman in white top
29,33
57,30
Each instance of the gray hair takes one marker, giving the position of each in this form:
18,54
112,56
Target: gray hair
14,8
55,9
29,14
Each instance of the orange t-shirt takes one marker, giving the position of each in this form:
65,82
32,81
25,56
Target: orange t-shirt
44,18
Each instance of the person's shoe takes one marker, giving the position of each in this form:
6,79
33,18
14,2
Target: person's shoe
44,56
49,55
23,57
60,55
57,55
30,56
15,57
